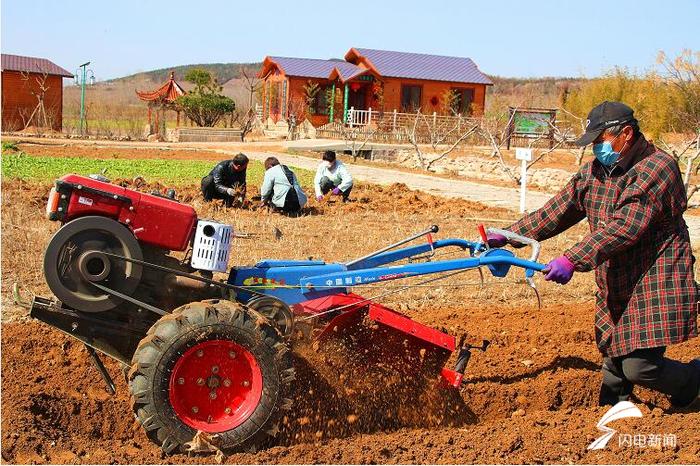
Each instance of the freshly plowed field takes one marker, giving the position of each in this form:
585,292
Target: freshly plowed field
531,397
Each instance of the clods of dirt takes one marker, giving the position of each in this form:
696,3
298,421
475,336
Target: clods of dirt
55,410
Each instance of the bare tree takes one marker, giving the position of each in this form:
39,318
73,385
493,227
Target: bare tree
356,138
38,115
495,134
582,123
686,153
561,138
683,73
438,132
246,121
252,85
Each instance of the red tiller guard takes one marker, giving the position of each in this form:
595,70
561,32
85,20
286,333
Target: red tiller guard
416,336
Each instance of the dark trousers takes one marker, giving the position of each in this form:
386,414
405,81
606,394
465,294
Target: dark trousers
209,191
291,203
327,186
649,368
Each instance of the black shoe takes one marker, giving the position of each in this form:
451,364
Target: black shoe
693,406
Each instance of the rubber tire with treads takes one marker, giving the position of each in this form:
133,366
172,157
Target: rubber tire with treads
188,325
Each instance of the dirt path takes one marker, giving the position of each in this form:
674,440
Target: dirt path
491,195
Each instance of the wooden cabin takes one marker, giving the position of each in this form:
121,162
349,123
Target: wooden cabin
28,82
383,81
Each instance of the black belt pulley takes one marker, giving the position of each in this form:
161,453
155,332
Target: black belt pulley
75,259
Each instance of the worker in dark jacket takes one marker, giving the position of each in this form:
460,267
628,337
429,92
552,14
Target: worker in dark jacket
227,181
633,197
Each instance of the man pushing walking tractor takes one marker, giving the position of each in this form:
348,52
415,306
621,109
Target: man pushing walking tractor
633,197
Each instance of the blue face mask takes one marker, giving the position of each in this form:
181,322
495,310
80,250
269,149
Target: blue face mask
605,153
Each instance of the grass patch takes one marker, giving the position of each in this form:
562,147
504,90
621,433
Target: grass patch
172,172
9,146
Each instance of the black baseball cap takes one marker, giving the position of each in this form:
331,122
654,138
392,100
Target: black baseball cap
602,117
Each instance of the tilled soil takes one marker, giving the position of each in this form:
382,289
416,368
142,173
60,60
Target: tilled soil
531,397
524,401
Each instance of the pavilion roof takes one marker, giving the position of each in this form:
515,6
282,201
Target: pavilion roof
168,92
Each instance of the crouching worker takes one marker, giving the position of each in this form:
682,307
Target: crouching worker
333,177
281,189
633,197
227,181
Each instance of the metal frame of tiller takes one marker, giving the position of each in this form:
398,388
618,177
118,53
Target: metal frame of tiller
317,295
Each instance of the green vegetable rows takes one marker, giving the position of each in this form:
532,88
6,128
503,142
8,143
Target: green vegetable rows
173,172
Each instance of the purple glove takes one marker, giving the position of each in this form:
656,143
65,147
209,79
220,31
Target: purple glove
319,198
496,240
336,191
560,270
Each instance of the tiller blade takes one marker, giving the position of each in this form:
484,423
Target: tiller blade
376,338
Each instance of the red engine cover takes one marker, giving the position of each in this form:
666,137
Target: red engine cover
154,220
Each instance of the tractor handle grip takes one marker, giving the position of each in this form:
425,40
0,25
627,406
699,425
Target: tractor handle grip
484,236
534,244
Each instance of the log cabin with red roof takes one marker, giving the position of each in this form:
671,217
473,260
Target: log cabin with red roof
23,79
384,81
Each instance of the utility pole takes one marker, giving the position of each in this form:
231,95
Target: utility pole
81,82
525,156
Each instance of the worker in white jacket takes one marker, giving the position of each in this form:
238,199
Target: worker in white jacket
280,188
333,177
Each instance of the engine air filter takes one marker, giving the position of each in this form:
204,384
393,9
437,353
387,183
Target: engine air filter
212,244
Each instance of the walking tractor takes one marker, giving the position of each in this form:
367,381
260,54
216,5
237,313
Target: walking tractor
214,356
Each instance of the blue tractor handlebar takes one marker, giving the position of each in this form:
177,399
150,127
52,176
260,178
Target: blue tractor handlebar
296,281
374,268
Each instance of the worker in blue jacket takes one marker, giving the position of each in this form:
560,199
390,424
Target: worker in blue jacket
281,189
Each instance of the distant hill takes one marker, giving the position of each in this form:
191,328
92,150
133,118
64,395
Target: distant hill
222,71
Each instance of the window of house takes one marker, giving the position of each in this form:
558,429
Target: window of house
320,103
410,98
463,103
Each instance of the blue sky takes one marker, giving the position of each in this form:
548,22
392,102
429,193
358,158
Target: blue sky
507,38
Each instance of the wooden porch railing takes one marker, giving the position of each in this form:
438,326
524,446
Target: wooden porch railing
397,127
359,117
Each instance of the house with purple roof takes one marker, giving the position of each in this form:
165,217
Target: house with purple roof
384,81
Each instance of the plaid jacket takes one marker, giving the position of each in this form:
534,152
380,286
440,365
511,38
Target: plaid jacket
638,245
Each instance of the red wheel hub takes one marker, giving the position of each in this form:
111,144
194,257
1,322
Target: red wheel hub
215,386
